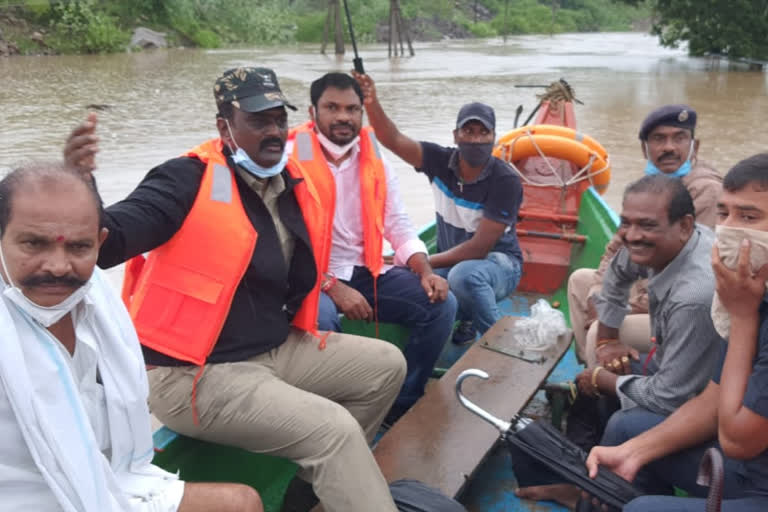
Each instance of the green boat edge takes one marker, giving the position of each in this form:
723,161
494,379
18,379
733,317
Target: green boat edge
199,461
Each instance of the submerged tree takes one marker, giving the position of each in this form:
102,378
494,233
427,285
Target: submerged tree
736,28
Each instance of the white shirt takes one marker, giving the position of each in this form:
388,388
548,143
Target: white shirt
21,483
347,244
22,486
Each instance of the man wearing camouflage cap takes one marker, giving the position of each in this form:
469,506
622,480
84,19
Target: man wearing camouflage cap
226,303
667,140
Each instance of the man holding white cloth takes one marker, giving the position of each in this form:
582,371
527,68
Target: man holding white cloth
74,421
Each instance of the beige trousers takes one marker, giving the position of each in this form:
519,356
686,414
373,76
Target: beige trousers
635,331
320,409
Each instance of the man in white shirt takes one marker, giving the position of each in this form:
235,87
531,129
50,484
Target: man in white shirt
368,210
74,422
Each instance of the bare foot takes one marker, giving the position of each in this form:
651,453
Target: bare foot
565,494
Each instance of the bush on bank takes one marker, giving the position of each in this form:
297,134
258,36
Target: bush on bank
95,26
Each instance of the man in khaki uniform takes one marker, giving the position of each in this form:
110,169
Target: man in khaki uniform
269,384
669,146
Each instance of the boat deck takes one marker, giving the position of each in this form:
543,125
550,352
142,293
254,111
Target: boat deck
492,488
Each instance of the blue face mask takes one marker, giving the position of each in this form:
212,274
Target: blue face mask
684,169
241,158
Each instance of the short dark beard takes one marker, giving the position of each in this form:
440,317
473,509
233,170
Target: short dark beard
341,142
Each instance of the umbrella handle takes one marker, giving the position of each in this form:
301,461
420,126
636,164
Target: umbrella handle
503,426
711,475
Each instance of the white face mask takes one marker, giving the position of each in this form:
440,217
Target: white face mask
44,315
334,149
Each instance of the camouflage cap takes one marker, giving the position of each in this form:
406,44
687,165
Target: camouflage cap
250,89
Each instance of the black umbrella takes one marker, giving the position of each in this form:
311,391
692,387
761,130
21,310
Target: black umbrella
550,447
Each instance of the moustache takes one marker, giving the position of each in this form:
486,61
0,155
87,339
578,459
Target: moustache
51,280
342,124
271,140
668,156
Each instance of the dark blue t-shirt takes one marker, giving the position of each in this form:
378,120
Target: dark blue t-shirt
755,470
496,194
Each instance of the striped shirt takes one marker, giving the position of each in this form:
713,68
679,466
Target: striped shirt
460,206
680,298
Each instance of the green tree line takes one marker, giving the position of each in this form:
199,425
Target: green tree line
736,28
88,26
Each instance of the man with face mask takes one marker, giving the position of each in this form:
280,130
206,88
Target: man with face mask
670,148
226,303
74,421
368,210
731,413
477,198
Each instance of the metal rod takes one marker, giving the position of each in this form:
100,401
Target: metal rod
518,111
533,113
554,217
358,61
568,237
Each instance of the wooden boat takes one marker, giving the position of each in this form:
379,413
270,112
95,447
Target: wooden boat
561,229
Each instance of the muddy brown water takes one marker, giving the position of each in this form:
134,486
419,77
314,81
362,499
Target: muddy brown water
160,102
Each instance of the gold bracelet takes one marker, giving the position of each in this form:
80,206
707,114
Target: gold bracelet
594,379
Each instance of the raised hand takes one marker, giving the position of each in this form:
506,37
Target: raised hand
368,87
82,145
740,290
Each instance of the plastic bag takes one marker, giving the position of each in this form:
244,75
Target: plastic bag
540,330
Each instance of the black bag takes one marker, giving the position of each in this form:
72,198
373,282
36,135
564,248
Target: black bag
415,496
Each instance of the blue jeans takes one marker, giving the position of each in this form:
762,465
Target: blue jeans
402,300
672,504
677,470
480,284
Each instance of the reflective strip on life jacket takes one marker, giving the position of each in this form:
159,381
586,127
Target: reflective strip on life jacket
184,290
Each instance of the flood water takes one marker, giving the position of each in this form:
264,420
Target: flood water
161,101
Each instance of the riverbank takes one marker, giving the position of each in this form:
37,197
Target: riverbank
48,27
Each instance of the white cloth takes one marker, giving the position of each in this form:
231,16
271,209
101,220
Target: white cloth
347,247
728,241
69,442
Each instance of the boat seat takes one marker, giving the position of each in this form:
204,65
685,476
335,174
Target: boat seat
393,333
201,461
441,443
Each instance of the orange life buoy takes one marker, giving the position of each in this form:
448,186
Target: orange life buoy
518,145
560,131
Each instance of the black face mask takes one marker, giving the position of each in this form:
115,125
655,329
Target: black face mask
476,154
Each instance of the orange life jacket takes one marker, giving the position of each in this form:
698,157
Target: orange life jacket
179,298
373,185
